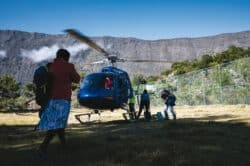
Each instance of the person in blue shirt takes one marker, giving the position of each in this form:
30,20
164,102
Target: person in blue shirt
169,100
145,102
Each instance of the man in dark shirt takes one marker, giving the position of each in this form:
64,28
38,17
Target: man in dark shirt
145,102
55,116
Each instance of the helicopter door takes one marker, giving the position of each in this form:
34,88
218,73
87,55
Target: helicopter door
122,89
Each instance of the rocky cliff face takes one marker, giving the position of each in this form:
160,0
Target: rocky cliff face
22,52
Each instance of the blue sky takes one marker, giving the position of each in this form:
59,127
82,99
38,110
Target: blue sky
144,19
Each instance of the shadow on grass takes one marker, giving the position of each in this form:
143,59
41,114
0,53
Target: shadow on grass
19,111
180,142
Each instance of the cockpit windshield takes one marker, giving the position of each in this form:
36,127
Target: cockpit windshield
97,81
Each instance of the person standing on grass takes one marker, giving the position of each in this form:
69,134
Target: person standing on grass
145,102
169,100
131,103
55,115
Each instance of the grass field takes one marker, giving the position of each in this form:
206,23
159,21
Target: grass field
202,136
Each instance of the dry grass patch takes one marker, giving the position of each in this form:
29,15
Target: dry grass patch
207,112
202,135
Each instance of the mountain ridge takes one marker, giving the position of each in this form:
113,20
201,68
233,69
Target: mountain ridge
21,52
107,36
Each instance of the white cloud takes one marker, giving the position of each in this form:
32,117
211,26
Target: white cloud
74,49
45,53
109,46
2,54
38,55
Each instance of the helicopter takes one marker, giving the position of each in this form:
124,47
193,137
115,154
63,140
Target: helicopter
110,88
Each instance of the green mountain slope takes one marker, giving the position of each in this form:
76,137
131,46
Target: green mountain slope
227,83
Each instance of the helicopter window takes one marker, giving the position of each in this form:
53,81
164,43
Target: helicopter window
86,83
108,83
93,81
97,81
122,84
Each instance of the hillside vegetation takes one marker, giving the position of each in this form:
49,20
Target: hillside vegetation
220,79
231,54
228,83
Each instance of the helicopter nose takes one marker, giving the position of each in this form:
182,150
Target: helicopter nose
96,102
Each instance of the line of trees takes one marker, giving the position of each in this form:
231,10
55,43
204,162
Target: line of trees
232,53
14,95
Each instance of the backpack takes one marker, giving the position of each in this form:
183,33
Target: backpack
171,100
159,116
40,81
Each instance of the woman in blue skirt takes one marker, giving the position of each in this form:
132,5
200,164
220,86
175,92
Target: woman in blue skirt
55,115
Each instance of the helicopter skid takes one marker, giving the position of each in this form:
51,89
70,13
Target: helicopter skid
78,116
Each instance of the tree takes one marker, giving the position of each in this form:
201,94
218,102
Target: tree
152,78
139,79
28,90
8,87
182,67
205,61
9,91
167,72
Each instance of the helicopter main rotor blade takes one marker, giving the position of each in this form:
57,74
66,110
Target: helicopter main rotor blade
149,61
77,35
100,62
103,61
